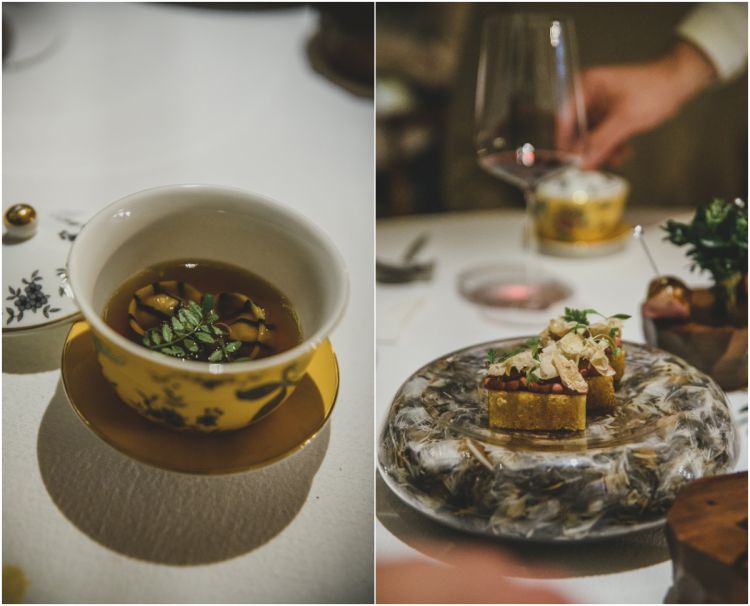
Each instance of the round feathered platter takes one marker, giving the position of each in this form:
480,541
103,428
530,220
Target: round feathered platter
670,426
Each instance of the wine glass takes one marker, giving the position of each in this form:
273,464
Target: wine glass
529,124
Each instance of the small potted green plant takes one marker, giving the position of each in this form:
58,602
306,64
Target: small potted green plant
706,326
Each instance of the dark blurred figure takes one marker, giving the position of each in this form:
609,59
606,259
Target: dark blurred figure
418,51
694,151
342,49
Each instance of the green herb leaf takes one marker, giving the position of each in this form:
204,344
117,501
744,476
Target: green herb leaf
233,346
173,350
580,316
193,319
491,356
577,315
204,337
189,332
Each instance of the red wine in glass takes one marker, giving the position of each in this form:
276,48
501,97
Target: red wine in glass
525,166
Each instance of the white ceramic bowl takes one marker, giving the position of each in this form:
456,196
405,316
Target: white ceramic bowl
217,224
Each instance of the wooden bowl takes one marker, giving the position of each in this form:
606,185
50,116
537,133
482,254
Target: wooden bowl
716,346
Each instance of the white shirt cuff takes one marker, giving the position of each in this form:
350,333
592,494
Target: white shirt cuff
720,30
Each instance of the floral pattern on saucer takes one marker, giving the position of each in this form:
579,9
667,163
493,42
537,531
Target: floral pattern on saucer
29,298
36,289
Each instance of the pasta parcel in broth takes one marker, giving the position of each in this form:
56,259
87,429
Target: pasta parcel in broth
205,311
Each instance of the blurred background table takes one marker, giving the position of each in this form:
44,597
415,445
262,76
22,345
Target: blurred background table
102,100
421,321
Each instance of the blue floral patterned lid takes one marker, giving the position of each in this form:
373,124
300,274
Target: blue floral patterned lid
35,287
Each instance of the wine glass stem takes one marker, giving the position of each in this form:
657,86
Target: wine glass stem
531,241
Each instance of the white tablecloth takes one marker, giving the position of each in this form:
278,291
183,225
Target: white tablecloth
419,322
109,99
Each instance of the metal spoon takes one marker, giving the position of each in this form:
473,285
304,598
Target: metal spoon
638,235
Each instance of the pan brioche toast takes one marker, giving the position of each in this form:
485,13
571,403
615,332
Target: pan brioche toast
551,381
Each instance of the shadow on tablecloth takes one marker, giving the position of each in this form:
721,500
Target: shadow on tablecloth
164,517
536,560
34,351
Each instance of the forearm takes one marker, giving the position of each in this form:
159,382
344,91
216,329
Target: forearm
689,71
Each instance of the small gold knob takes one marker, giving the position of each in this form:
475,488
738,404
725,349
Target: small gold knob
20,221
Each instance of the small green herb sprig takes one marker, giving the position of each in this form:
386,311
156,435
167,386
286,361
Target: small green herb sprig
717,241
491,356
533,344
192,333
580,316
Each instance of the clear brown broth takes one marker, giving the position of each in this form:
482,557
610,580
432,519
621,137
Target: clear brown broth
210,277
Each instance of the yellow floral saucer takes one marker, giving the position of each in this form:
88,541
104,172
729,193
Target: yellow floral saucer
614,242
288,429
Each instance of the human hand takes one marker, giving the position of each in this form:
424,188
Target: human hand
622,101
475,575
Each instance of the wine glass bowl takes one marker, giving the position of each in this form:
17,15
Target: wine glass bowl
530,119
529,124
